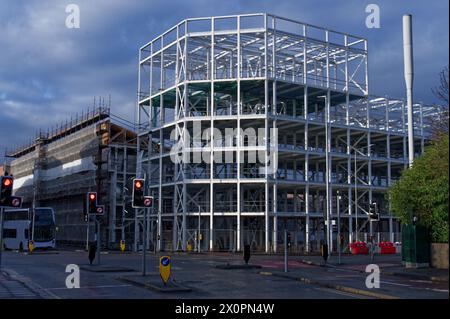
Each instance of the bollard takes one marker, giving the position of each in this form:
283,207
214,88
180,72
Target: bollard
246,254
92,251
324,252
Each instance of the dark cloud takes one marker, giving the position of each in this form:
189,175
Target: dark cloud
49,72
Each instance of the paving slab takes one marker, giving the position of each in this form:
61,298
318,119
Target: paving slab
389,265
106,268
238,266
41,253
154,282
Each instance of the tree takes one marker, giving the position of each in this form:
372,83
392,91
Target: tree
441,91
422,191
439,125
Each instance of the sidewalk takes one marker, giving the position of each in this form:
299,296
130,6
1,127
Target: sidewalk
350,276
325,281
15,286
389,265
13,289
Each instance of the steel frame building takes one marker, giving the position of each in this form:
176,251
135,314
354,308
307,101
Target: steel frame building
261,71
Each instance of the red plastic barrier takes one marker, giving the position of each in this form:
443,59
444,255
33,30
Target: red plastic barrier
359,248
387,247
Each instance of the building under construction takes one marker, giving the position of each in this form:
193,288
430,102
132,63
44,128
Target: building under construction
323,136
95,151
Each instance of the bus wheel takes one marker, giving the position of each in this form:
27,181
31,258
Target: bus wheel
21,247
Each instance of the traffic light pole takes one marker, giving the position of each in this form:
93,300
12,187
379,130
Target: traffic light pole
98,240
285,251
339,227
1,235
144,245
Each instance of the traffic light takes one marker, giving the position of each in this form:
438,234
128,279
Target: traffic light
373,212
138,198
92,203
6,188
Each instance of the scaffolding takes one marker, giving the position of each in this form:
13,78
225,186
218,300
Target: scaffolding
91,152
306,89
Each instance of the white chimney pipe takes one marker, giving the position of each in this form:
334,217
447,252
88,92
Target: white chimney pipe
409,78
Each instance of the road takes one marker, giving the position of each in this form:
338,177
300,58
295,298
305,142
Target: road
43,276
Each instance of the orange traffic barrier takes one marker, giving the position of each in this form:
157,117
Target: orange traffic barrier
359,248
387,247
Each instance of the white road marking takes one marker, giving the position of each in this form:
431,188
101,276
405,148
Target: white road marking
89,287
394,283
440,290
346,270
423,281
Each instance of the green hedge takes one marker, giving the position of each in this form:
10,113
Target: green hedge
422,191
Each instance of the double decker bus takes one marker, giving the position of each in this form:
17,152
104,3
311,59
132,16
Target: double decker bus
22,225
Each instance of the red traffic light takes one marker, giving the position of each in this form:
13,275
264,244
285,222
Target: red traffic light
137,184
7,182
92,196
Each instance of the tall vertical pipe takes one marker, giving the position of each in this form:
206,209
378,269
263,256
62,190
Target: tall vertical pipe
409,77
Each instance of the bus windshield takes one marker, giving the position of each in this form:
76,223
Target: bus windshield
44,216
43,229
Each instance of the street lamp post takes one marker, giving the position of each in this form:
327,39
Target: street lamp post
327,173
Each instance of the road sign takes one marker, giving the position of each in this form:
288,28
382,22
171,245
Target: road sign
148,201
16,201
164,268
100,210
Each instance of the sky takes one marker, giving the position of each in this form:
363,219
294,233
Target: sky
49,72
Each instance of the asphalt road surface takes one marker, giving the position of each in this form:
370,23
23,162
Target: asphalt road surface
44,275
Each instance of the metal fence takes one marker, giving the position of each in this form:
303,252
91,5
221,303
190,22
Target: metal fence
225,240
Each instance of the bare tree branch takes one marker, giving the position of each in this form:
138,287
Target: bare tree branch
441,124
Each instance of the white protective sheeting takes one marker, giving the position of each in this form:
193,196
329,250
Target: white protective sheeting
74,167
23,181
79,165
